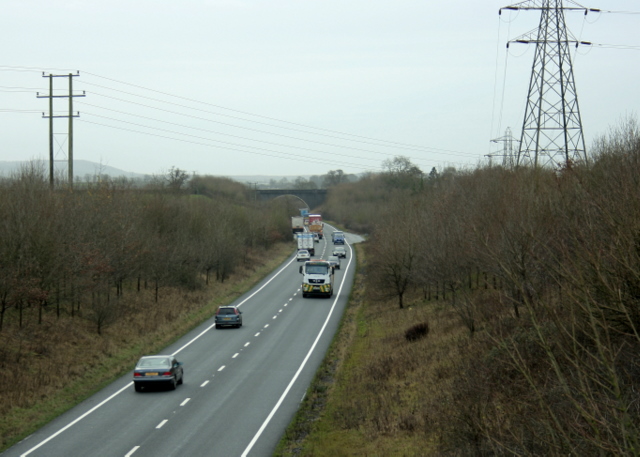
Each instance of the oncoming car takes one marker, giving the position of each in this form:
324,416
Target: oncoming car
303,255
228,316
157,369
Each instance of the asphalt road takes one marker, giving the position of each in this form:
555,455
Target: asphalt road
242,386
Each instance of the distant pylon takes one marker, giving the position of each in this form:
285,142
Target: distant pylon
507,154
552,128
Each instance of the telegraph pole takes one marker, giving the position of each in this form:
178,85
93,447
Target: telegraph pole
552,127
51,116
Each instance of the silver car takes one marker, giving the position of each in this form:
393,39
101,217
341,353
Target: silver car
334,261
157,369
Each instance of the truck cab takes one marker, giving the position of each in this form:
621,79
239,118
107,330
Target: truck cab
317,278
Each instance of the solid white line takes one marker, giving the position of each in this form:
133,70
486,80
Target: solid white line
162,423
185,402
204,383
70,424
130,453
304,362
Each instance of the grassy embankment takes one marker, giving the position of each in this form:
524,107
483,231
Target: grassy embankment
376,393
50,368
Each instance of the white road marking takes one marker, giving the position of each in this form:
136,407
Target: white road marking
162,423
248,343
130,453
221,368
235,355
280,310
102,403
185,402
257,334
297,374
204,383
275,317
266,326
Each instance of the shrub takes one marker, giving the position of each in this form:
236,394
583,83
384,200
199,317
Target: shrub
417,331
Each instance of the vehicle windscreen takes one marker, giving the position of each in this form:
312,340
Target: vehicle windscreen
317,269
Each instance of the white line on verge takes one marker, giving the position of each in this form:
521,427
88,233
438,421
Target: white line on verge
304,362
72,423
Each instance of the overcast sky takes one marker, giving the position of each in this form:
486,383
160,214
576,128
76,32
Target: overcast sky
292,87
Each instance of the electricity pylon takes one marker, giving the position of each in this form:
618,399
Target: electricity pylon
507,150
552,128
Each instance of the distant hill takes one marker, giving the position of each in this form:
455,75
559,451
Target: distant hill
82,169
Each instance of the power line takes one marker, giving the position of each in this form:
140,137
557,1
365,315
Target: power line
392,143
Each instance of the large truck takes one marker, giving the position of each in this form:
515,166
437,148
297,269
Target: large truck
317,278
337,237
305,241
316,225
297,224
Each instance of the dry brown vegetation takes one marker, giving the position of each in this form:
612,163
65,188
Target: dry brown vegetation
529,281
92,278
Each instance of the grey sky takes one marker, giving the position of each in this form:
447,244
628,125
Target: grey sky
432,78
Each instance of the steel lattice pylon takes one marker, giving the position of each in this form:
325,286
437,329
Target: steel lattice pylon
552,128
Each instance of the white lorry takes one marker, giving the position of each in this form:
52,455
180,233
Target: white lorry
297,224
317,278
305,241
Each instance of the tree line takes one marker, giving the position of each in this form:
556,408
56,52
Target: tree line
78,251
542,266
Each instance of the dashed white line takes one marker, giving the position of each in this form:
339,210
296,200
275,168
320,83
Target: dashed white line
267,325
221,368
275,317
280,310
257,334
161,424
204,383
235,355
248,342
185,402
130,453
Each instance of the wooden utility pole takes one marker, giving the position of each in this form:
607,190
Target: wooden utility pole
70,116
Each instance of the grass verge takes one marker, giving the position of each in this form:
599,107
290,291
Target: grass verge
377,393
38,390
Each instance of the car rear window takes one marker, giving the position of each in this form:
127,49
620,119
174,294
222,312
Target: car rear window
226,311
153,363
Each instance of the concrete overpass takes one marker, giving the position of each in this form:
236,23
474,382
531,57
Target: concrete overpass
311,198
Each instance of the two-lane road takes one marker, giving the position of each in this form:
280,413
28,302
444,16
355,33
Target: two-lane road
242,386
